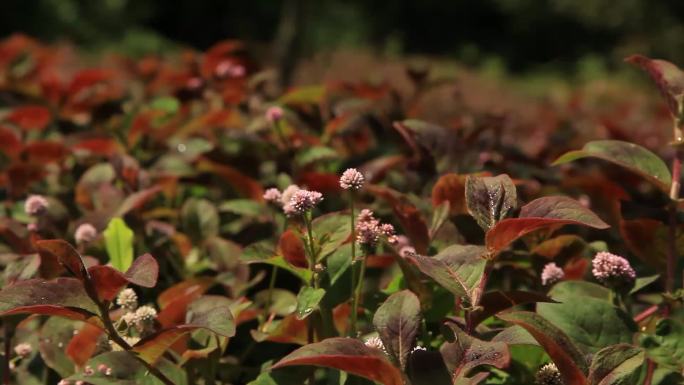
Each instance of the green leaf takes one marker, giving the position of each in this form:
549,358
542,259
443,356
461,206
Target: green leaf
55,335
119,244
308,300
666,345
616,365
126,370
315,154
630,156
283,302
200,219
568,290
264,252
397,321
490,199
592,323
642,282
244,207
167,104
458,268
439,216
330,232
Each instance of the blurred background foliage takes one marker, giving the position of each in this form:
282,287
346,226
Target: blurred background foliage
519,35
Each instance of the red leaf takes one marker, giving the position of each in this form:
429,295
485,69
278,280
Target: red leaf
30,117
84,344
668,78
99,146
292,249
45,152
107,281
325,183
567,357
348,354
451,188
10,143
174,301
541,213
242,183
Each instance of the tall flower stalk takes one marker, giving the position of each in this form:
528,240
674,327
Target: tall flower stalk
352,180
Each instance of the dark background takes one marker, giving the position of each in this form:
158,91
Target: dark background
525,35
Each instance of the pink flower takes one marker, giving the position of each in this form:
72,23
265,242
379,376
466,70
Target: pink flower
274,114
610,268
64,382
551,274
273,196
375,343
302,201
369,230
85,233
35,205
228,69
351,179
103,368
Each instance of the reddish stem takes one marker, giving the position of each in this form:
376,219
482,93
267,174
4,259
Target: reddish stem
650,369
672,246
646,313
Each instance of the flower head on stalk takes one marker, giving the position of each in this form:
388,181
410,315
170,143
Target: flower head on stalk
85,233
612,270
369,230
548,375
274,114
302,201
351,179
273,196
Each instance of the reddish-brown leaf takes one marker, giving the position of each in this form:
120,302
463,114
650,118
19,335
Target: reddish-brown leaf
55,253
451,188
84,344
290,245
144,271
668,78
107,281
348,354
45,151
174,301
497,301
30,117
242,183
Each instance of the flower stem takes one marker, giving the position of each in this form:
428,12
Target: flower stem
357,291
352,266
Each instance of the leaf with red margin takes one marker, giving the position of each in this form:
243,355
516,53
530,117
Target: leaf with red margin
56,255
347,354
568,358
64,297
629,156
292,249
397,321
668,78
538,214
466,353
218,320
30,118
84,344
496,301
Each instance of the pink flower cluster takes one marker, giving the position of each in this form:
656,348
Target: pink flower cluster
351,179
369,229
274,114
85,233
611,268
551,274
293,200
35,205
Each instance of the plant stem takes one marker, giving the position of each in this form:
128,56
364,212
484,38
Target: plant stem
477,296
672,244
7,331
271,286
352,327
357,290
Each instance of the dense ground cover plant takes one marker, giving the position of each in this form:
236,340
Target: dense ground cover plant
181,221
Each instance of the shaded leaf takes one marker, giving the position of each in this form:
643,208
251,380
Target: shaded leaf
616,364
490,199
495,301
451,188
57,255
331,231
397,321
200,219
668,78
144,271
458,268
127,370
466,353
347,354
